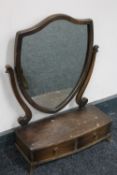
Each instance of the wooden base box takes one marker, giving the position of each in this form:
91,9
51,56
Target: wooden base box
65,134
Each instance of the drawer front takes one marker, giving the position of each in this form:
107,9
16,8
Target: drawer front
93,136
54,152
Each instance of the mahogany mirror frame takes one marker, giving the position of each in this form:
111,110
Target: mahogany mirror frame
78,90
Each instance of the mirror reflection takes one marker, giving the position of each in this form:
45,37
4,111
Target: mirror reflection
52,61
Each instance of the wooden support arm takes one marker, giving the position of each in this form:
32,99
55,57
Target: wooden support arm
83,101
28,114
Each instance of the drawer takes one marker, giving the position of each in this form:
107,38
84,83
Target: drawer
54,151
93,136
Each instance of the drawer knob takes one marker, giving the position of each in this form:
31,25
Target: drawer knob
55,150
95,135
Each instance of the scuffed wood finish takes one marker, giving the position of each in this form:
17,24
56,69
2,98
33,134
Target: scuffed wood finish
62,135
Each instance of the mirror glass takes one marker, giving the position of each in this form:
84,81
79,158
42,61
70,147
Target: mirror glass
52,61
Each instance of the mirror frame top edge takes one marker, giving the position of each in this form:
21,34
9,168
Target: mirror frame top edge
37,28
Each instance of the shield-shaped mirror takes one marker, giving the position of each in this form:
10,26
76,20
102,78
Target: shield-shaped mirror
52,60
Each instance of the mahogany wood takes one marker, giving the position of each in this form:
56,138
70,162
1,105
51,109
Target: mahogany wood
62,135
83,101
23,120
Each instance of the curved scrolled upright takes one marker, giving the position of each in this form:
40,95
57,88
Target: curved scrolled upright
23,120
82,101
